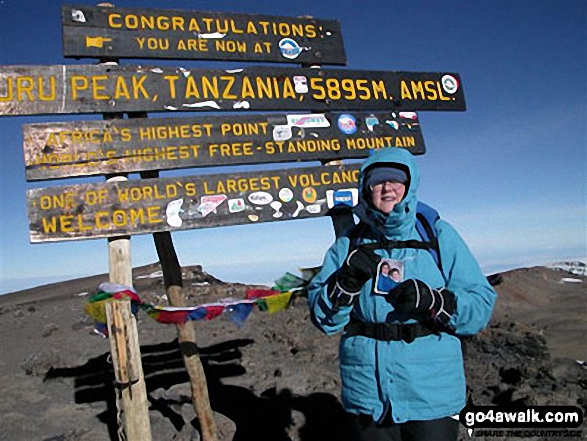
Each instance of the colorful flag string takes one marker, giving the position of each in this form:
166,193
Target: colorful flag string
286,288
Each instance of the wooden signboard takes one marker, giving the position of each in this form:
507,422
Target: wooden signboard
112,88
169,204
103,32
82,148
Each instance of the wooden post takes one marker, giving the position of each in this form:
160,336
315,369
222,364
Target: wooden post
124,339
124,345
191,358
186,332
126,359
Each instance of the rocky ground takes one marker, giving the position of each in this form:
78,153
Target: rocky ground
275,378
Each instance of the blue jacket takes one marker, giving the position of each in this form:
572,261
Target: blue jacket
425,379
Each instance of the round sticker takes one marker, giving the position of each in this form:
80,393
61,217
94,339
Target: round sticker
449,84
289,48
309,195
253,217
285,194
260,198
347,124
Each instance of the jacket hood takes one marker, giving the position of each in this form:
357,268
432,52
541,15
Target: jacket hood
402,219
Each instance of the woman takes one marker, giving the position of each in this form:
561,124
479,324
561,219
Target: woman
384,282
400,360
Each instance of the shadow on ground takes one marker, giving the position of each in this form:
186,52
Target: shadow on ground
257,418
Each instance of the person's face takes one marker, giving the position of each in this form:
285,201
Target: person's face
395,276
387,194
385,270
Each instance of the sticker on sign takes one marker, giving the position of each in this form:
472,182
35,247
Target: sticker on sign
308,121
346,196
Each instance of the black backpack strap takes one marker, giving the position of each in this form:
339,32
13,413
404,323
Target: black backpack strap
356,234
386,244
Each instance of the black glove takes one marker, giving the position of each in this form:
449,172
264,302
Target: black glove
359,266
415,297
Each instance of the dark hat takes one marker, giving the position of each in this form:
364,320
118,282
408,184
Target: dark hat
378,175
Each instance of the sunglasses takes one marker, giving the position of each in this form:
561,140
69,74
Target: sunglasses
394,185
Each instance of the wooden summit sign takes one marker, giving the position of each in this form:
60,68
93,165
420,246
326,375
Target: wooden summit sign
112,88
81,148
106,209
104,32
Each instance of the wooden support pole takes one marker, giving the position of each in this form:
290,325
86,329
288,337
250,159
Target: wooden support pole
132,401
186,331
125,348
128,370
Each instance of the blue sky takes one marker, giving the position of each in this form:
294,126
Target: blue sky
510,173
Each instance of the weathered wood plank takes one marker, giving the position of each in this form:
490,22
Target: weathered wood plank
81,148
103,32
113,88
126,360
169,204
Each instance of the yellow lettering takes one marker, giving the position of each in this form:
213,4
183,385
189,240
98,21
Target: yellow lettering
149,22
360,86
24,85
9,91
379,86
97,88
49,226
153,215
288,89
65,222
171,79
193,26
137,85
429,86
348,85
210,87
251,29
78,83
442,97
53,93
315,84
112,23
125,135
264,88
247,89
121,89
136,216
177,23
226,91
119,218
98,219
190,189
405,92
52,141
417,87
191,89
